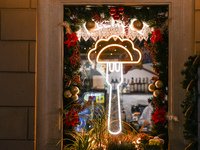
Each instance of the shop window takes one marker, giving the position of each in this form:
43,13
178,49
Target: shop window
113,65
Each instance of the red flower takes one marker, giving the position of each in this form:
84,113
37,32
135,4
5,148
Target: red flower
157,36
71,39
159,116
71,118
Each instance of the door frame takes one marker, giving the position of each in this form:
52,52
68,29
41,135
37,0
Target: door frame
49,67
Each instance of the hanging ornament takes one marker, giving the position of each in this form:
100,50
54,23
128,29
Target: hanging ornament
67,94
74,97
159,84
120,10
156,93
90,25
151,87
116,17
138,25
113,11
74,90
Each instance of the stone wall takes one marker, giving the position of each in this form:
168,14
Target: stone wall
17,74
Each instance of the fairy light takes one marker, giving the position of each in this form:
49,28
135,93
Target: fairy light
116,66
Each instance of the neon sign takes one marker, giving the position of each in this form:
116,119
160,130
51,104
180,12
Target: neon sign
114,42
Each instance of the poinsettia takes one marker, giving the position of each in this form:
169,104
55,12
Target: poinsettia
71,39
157,36
159,116
71,118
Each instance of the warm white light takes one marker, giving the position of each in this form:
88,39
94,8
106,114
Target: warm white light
115,66
116,45
113,45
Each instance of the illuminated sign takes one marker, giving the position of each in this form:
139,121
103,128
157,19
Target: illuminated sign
114,43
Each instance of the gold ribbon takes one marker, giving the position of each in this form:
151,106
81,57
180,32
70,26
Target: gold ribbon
74,79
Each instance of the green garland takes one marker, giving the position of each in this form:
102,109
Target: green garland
190,103
152,15
159,53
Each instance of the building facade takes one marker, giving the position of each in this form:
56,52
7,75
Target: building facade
31,51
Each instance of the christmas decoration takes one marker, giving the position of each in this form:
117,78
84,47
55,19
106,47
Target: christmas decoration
120,10
71,118
138,25
116,12
74,58
159,84
156,93
90,25
159,116
116,17
156,36
67,27
74,97
190,103
158,48
67,94
68,12
113,11
75,79
71,40
78,15
74,90
151,87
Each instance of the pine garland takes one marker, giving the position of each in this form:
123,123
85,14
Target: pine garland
189,104
159,53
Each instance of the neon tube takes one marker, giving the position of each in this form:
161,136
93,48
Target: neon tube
115,67
108,68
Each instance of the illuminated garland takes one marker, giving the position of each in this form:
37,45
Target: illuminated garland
190,103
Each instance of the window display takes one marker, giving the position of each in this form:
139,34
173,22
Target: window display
109,63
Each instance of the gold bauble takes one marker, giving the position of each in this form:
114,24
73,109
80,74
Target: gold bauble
138,25
67,94
159,84
75,97
74,90
151,87
156,93
90,25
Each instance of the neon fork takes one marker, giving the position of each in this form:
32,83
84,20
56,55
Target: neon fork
114,67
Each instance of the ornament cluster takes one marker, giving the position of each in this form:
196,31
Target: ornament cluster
72,93
156,87
116,13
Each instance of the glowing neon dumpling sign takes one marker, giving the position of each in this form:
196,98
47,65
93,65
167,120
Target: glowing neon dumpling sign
114,52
